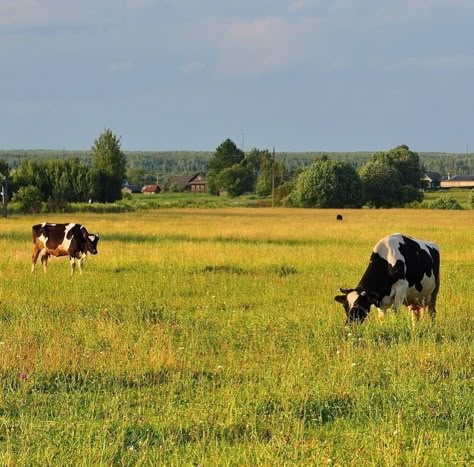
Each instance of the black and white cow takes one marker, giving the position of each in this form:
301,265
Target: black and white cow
71,240
401,270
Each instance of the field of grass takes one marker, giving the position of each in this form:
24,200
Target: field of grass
211,337
461,195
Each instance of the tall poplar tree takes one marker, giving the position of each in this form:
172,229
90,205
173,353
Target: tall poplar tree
110,165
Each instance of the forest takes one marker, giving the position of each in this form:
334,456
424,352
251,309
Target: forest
162,164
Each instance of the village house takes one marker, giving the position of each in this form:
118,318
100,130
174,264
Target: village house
431,180
127,188
458,181
196,183
151,189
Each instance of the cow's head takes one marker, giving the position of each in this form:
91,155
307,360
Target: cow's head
91,242
356,303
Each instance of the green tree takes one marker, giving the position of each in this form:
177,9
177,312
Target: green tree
226,155
110,165
29,199
236,180
328,184
408,164
136,176
392,178
382,184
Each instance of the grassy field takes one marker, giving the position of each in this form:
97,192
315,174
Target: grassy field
211,337
461,195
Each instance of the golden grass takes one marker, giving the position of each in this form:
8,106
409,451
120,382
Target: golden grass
212,337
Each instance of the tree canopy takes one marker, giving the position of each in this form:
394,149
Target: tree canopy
328,184
227,154
392,178
110,165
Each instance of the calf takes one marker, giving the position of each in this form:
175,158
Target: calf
401,270
71,240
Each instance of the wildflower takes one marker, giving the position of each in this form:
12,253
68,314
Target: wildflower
23,376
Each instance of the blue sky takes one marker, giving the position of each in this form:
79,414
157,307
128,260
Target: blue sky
300,75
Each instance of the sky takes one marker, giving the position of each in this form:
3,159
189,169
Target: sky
297,75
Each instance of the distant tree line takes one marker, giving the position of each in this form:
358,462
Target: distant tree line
56,182
160,165
380,179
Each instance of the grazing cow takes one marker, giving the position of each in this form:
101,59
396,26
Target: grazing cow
71,240
401,270
339,217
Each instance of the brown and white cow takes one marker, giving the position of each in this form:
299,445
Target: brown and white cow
71,240
401,270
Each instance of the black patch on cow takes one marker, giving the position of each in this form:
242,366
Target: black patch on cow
419,262
380,275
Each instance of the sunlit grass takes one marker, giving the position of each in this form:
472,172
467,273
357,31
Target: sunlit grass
212,337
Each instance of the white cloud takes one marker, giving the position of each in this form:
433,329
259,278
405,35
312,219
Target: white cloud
261,46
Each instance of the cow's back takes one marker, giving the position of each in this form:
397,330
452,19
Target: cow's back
52,236
416,261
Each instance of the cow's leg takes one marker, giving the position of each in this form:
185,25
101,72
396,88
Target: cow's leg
72,262
380,315
82,262
34,258
432,304
44,259
400,292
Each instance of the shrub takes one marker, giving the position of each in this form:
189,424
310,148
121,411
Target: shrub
445,202
471,199
29,199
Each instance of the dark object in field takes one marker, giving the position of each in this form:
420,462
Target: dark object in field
402,270
71,240
339,217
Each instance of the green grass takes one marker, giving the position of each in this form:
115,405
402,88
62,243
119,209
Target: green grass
461,195
212,337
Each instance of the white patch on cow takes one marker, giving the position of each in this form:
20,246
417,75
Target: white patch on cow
351,298
91,238
399,292
413,296
389,247
66,243
43,239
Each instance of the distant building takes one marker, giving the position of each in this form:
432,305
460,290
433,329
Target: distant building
458,181
127,188
151,189
196,183
431,180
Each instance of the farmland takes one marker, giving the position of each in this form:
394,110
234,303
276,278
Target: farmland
211,337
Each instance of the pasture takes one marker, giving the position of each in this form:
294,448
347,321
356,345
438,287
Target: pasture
211,337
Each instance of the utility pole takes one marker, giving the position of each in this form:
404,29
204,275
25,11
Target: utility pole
5,197
273,177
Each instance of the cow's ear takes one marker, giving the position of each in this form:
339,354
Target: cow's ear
340,298
346,291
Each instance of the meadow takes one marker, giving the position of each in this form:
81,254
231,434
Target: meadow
211,337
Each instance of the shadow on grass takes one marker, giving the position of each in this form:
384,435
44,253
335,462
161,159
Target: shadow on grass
73,381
